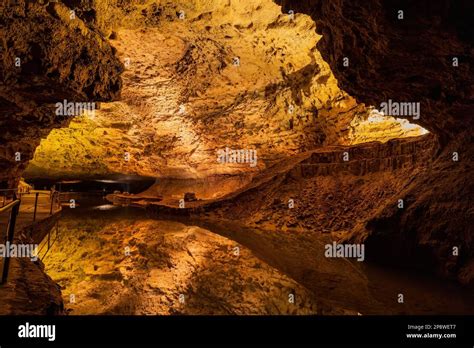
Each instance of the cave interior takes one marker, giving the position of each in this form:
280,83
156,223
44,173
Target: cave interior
238,156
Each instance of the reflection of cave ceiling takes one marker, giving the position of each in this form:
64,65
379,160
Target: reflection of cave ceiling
185,95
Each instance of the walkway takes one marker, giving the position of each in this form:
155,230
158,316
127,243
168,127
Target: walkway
27,215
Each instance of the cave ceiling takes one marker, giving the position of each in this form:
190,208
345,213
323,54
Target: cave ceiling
198,77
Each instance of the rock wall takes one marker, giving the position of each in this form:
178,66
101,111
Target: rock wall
186,98
46,56
411,59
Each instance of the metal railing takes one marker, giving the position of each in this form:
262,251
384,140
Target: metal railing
6,194
14,207
47,242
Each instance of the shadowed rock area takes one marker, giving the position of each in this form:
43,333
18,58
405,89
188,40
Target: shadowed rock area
40,67
411,59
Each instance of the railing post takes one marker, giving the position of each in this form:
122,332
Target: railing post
4,197
10,235
52,201
36,204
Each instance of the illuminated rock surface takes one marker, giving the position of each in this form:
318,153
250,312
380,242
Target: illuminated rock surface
185,96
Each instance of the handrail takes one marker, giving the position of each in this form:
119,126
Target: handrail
20,194
48,244
40,192
30,190
15,208
9,205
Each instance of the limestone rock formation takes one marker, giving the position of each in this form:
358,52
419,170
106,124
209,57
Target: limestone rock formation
46,57
170,269
412,58
405,56
238,75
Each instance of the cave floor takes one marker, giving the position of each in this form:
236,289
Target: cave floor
365,158
216,257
